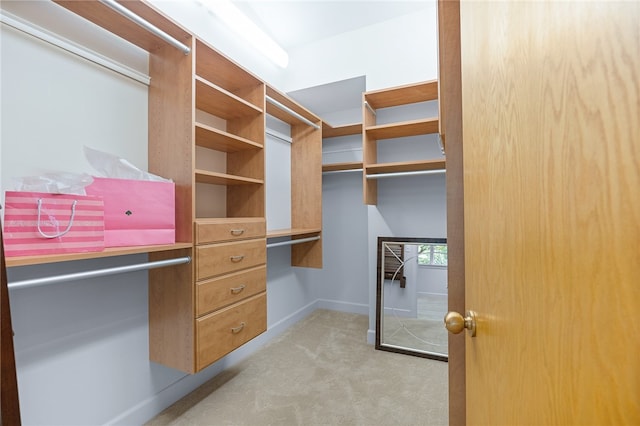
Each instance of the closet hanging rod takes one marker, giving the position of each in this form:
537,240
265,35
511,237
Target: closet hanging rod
278,135
117,7
292,112
292,242
398,174
373,111
98,273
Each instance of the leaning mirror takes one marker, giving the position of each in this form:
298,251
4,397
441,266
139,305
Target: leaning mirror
412,296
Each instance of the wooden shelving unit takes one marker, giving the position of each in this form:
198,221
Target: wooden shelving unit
389,98
306,177
205,107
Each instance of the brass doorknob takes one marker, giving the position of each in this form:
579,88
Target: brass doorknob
455,323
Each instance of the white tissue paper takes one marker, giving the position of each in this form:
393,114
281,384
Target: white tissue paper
54,183
111,166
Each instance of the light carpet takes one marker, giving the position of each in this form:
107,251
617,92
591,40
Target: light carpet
321,371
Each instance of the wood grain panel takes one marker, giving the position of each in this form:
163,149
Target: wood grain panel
334,167
450,105
403,95
212,138
344,130
405,166
223,331
217,68
219,292
229,229
552,212
171,130
218,259
171,313
403,129
112,21
306,192
369,156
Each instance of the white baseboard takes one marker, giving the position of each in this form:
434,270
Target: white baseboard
426,293
340,306
371,337
150,407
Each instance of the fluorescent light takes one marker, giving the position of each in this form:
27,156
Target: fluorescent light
246,28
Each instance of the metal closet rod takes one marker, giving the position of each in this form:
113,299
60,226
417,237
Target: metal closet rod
291,242
398,174
98,273
117,7
292,112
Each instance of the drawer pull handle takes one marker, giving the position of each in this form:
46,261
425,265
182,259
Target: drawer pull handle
237,232
236,259
238,329
236,290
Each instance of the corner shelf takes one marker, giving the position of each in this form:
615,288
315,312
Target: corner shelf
405,166
329,131
388,98
292,232
340,167
403,129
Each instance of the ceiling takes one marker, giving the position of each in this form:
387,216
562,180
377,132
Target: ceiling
293,23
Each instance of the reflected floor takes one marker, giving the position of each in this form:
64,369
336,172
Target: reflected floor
424,333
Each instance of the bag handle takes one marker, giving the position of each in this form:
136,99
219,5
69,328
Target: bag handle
73,214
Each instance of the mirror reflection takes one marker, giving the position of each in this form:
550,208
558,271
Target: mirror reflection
412,296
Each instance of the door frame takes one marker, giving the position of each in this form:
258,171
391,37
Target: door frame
450,116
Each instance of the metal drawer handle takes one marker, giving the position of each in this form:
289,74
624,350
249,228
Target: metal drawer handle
238,329
236,290
237,232
236,259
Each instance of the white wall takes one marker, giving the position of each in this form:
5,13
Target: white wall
398,51
209,28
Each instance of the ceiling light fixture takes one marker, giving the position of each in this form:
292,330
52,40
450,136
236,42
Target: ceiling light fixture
246,28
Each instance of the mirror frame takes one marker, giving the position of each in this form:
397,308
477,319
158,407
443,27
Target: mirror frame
379,308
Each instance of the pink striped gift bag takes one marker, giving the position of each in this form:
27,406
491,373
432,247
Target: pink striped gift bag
38,223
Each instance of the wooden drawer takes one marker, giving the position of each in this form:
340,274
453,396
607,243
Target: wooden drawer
218,259
215,293
228,229
227,329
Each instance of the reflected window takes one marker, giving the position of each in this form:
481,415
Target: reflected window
432,255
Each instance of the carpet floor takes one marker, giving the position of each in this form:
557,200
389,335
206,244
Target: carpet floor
321,371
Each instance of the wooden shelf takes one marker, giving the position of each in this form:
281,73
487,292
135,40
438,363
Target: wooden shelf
215,178
115,23
336,167
403,95
108,252
220,102
220,70
289,103
212,138
345,130
292,232
403,129
405,166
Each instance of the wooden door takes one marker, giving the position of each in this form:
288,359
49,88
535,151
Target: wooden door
551,152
